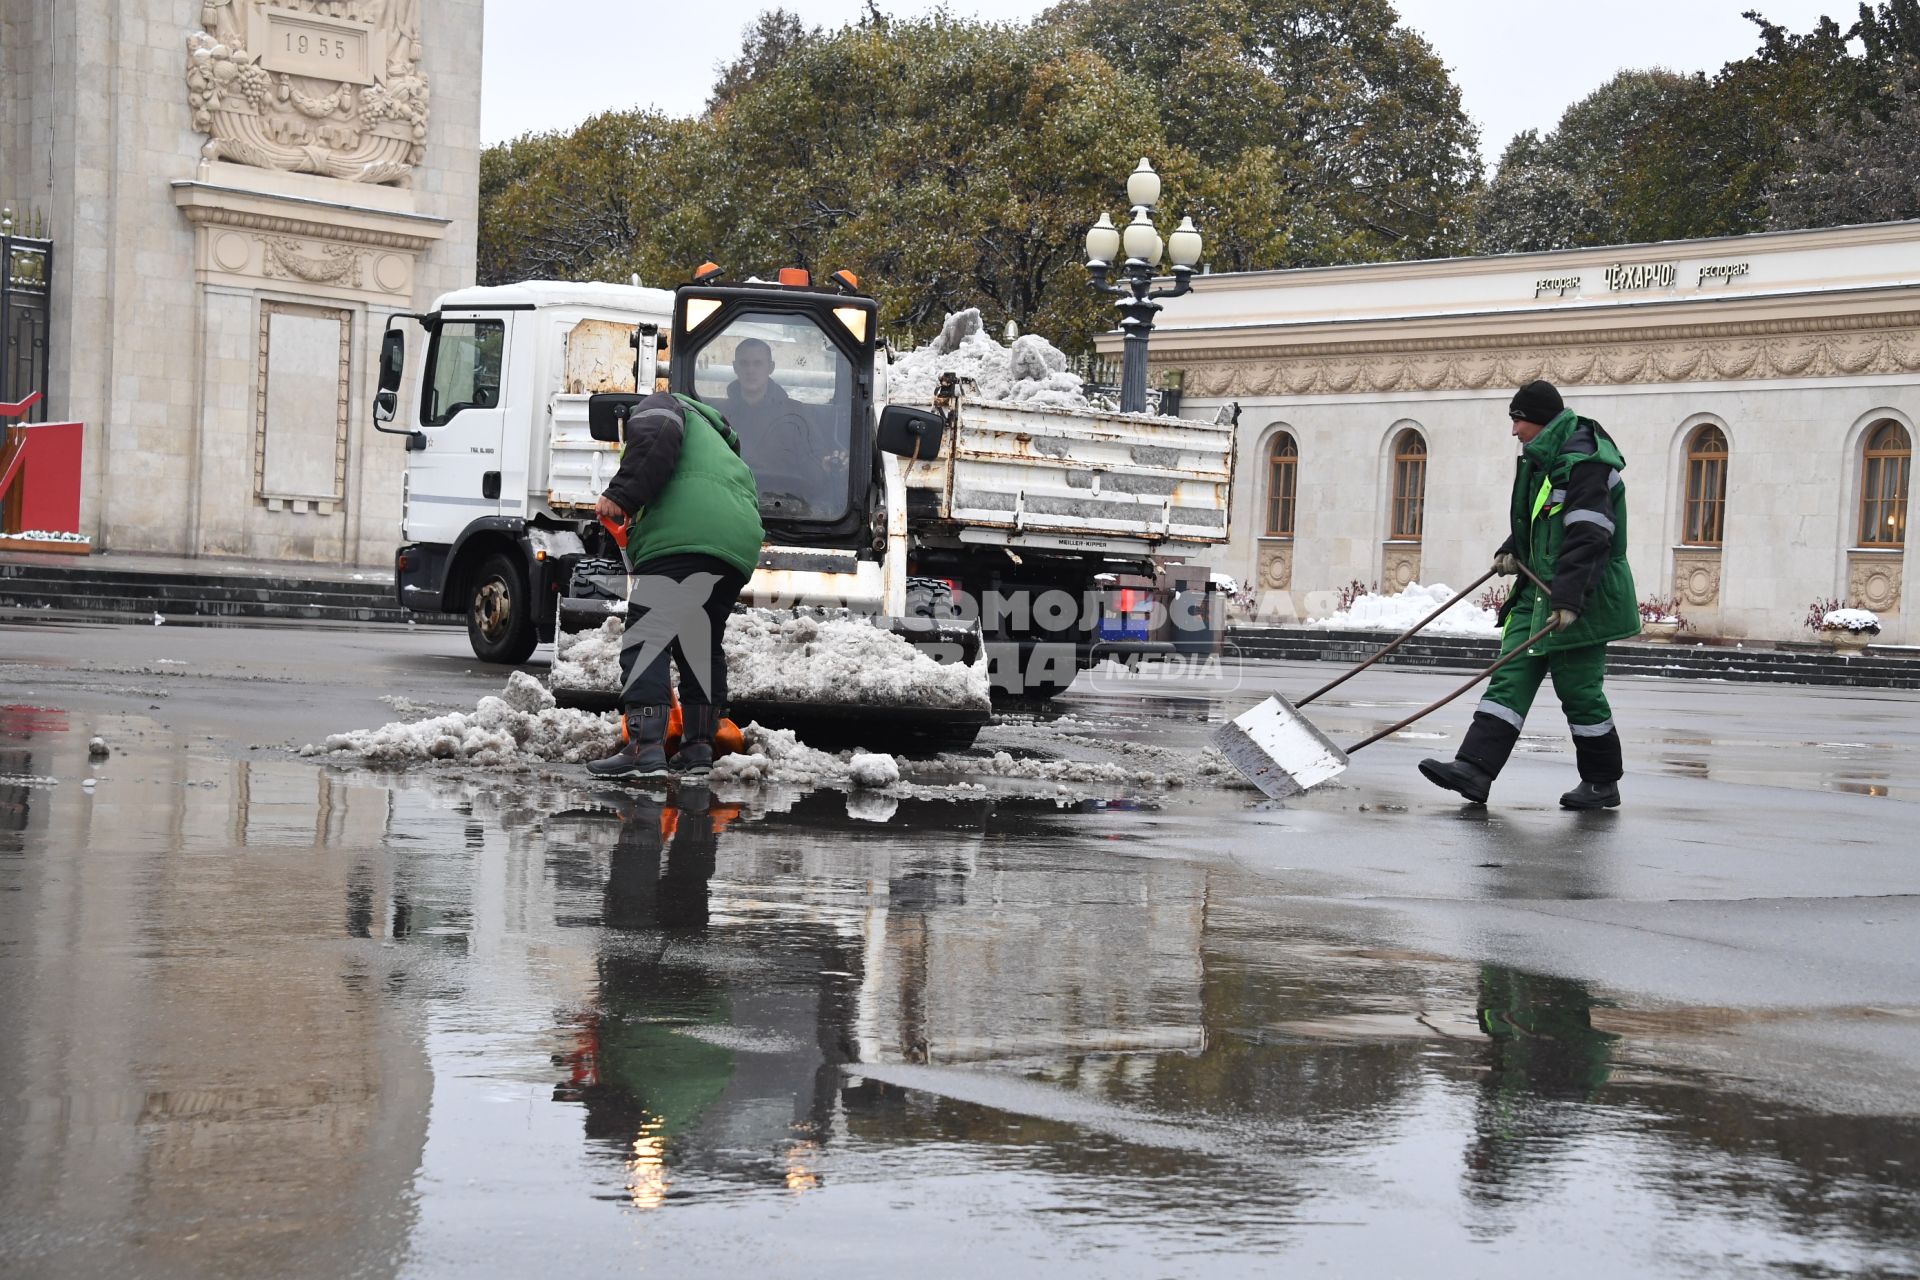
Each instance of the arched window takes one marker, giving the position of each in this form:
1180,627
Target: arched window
1706,515
1409,486
1885,471
1283,469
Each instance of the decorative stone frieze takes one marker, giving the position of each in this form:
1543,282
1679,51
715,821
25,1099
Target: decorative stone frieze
1400,566
1873,579
1827,346
1276,564
329,87
1696,576
283,256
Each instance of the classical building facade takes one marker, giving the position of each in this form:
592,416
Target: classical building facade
238,194
1765,390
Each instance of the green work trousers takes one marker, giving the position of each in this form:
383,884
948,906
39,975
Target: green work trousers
1579,679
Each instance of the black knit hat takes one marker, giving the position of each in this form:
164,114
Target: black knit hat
1538,402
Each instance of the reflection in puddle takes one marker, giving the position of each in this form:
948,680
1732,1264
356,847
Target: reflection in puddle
269,998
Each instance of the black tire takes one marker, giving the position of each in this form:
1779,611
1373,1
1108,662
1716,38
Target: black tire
930,598
500,623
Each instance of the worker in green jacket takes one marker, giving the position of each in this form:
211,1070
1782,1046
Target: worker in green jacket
1569,526
692,515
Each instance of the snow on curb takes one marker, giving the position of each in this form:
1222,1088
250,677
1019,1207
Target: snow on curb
1398,612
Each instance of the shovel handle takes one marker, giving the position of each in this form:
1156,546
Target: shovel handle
618,532
1426,711
1408,635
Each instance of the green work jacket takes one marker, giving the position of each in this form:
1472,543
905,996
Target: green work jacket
1586,570
710,506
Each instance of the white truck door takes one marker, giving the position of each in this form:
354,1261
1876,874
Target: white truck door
456,478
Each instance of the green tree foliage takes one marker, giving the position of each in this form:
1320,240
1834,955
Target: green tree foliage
1860,162
955,163
1811,129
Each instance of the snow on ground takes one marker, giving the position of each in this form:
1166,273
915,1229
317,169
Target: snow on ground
44,535
1032,371
1398,612
521,724
776,656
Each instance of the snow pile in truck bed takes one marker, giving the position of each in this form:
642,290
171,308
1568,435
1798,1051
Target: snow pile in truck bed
776,656
1032,371
521,724
1398,612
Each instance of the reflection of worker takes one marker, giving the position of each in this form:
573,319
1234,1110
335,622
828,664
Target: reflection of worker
1569,526
1544,1049
693,539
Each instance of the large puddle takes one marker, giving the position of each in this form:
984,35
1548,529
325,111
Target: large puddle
266,1017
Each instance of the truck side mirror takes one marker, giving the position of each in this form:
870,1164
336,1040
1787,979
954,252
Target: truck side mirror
393,360
385,403
607,414
911,433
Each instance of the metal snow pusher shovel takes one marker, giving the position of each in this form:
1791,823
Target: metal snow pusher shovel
1283,753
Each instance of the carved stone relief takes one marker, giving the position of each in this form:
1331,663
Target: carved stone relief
1873,580
1276,565
1399,566
332,87
1696,576
1848,346
286,258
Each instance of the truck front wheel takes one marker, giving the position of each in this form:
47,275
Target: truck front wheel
500,622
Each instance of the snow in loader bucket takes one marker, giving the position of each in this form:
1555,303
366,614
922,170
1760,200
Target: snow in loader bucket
832,677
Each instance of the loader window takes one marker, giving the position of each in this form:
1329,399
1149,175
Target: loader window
463,369
788,390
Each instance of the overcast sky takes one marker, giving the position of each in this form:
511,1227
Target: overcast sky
1519,63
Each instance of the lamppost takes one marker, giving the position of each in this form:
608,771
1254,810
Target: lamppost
1135,297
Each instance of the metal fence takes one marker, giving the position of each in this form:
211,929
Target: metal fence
1102,377
26,320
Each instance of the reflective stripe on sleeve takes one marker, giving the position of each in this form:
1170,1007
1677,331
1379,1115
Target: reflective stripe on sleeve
1591,517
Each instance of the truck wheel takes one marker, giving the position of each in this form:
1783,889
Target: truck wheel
930,598
500,621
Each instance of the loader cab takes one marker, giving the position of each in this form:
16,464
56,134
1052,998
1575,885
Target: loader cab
792,370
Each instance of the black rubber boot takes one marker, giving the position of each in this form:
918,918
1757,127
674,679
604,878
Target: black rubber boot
1592,795
1489,744
1601,765
641,756
1464,776
699,721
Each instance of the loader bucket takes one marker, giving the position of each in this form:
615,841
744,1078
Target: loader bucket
904,729
1279,750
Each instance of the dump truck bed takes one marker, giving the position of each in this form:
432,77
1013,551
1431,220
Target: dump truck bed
1014,473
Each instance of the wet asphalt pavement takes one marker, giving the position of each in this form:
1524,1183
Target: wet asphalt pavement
265,1016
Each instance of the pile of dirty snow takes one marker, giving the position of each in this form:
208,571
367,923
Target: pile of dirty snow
777,656
1032,371
777,758
46,535
1396,613
521,724
588,659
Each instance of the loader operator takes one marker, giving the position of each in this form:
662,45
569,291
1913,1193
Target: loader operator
1568,521
778,431
692,513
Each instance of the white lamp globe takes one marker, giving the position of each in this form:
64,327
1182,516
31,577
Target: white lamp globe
1141,239
1143,185
1103,240
1184,245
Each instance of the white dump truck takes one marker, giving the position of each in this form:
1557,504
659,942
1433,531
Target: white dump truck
909,514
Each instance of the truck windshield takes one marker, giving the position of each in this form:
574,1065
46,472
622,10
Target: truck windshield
788,391
465,369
